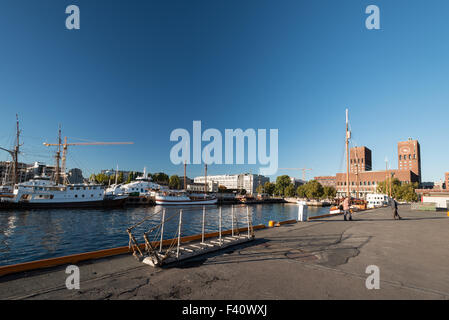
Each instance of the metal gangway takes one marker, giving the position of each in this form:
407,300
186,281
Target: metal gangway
158,251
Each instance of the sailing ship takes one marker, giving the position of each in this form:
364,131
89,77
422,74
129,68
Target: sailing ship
184,197
357,204
44,192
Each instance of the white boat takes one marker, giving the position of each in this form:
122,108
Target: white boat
41,192
183,198
142,186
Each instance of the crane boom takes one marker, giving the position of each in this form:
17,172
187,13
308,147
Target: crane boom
64,151
300,169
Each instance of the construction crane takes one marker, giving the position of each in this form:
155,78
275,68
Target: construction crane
64,152
299,169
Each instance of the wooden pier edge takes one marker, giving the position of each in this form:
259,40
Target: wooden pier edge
72,259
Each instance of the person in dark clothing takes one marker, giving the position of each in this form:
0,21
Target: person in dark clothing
394,207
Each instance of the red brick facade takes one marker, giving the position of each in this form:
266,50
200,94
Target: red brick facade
327,181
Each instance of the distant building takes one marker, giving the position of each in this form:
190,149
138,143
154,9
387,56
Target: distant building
75,176
360,159
327,181
446,180
409,156
363,181
212,186
6,172
246,181
297,182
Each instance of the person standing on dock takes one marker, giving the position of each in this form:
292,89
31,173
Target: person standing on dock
346,209
394,207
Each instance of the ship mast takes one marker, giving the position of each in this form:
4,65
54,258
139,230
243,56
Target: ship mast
58,157
185,177
348,136
205,180
15,154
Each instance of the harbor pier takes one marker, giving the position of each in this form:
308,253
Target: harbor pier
320,259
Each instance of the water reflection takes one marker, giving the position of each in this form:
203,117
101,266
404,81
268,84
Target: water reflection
40,234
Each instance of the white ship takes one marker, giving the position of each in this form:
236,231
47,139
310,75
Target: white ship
183,198
142,186
41,192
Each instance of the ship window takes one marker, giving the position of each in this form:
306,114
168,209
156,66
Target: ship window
82,196
77,188
76,196
91,195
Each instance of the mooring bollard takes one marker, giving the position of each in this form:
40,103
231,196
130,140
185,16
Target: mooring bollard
179,233
302,211
162,229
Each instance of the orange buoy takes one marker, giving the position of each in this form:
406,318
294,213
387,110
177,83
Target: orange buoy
271,223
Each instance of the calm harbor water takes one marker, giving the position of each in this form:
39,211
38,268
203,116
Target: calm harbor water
41,234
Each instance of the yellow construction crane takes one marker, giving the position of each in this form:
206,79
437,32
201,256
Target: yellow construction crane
299,169
64,151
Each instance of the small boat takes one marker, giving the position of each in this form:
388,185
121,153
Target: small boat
183,198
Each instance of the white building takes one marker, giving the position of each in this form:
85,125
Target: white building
376,200
246,181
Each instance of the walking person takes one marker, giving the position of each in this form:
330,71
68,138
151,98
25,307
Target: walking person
394,207
346,209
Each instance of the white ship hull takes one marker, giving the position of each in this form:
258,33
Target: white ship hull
183,200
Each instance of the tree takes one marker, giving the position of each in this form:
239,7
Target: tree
269,188
329,192
301,191
174,182
403,192
161,177
314,190
289,191
282,182
260,189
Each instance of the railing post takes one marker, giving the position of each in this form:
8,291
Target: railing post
179,233
162,229
247,217
219,225
202,229
232,219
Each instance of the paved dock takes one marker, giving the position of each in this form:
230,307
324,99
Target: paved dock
322,259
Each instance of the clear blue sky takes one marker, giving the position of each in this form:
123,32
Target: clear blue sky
139,69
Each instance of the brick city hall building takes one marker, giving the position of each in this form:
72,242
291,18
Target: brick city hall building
364,181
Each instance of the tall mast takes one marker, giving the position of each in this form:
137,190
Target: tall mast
64,160
185,177
348,136
16,153
116,175
58,157
205,180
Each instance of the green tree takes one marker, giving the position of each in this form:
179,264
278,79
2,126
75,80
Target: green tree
174,182
314,190
269,188
301,191
289,191
329,192
282,182
260,189
161,177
